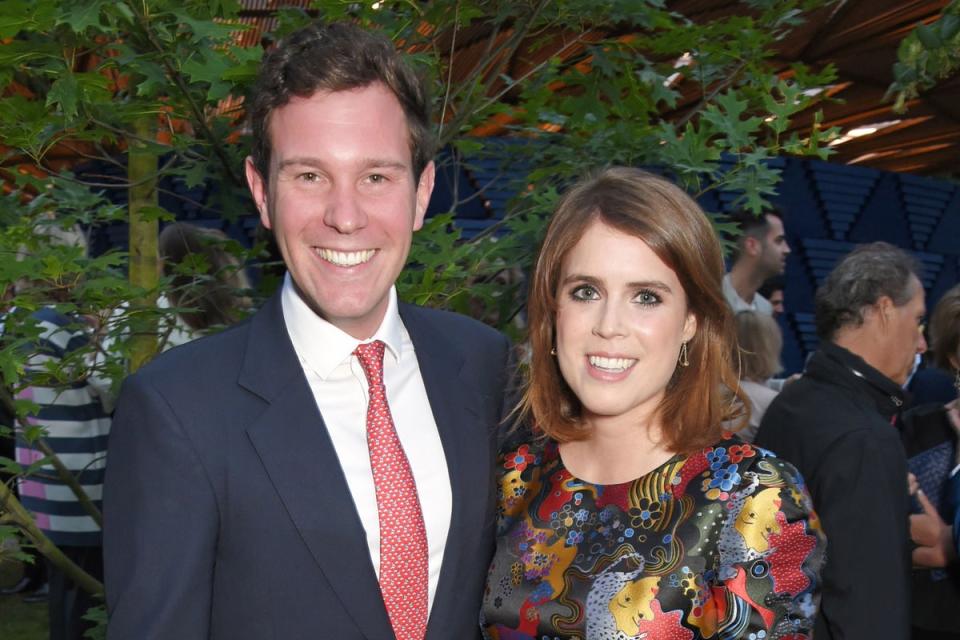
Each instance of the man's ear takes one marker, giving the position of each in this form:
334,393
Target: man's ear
424,190
752,246
884,308
258,188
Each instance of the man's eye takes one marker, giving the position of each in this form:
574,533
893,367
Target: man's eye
377,178
308,176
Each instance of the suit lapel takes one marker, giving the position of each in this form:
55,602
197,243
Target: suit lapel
298,455
452,400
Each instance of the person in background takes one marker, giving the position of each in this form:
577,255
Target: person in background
325,469
203,300
759,344
761,252
929,434
32,585
626,513
69,407
773,290
835,424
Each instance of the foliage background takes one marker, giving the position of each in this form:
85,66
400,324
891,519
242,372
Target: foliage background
153,90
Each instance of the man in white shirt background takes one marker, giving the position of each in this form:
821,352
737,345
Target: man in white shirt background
761,253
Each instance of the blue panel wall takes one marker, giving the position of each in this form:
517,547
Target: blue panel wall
832,208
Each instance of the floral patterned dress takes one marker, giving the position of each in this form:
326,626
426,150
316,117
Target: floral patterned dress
720,544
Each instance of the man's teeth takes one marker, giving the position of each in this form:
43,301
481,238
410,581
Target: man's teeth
612,364
346,258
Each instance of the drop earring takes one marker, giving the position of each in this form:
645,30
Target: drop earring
683,355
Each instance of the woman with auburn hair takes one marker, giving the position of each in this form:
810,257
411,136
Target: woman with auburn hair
627,512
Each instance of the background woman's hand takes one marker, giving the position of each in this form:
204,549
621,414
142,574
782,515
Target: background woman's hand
933,536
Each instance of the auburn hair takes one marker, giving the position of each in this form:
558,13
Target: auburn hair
700,397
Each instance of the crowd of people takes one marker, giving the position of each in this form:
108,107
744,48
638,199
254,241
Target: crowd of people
345,465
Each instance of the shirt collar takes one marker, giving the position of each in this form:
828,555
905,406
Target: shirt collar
321,345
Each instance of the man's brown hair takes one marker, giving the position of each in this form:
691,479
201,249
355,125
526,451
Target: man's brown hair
337,57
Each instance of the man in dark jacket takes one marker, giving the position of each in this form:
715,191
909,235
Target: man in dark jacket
834,424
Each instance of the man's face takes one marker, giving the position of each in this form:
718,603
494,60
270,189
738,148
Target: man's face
342,200
774,248
903,335
776,301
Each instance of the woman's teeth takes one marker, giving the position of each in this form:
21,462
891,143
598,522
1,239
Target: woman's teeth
613,365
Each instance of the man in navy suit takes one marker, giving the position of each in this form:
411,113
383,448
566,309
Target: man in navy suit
241,500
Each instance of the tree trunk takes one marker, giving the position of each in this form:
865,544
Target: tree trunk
144,229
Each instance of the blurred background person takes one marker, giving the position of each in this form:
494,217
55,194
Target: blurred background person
760,342
209,284
68,404
773,290
835,424
929,433
626,514
761,252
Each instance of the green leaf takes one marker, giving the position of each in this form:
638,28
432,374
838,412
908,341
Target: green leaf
949,26
149,214
206,29
928,37
209,68
780,111
691,152
63,93
79,16
725,116
24,15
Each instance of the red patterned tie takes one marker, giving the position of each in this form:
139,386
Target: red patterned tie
403,538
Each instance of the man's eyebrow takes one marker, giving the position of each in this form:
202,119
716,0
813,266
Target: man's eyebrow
300,160
366,163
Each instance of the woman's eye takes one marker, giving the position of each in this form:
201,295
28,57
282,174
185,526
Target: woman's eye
585,292
647,298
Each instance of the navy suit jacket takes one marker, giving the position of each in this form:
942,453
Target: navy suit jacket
227,514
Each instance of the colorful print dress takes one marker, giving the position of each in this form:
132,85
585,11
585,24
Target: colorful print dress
720,544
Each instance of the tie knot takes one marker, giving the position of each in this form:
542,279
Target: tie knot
370,355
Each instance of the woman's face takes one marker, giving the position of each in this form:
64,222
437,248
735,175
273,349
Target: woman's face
621,318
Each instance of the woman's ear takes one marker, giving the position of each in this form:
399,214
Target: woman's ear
689,327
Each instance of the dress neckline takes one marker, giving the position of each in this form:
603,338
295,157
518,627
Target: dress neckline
563,465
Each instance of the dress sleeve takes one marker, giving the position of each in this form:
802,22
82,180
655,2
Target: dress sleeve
771,552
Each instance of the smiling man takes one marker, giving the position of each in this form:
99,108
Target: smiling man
325,469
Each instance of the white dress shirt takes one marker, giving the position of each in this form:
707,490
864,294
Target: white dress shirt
340,389
759,304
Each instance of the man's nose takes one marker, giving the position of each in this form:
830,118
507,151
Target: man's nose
344,211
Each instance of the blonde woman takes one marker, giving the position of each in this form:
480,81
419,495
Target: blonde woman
760,342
